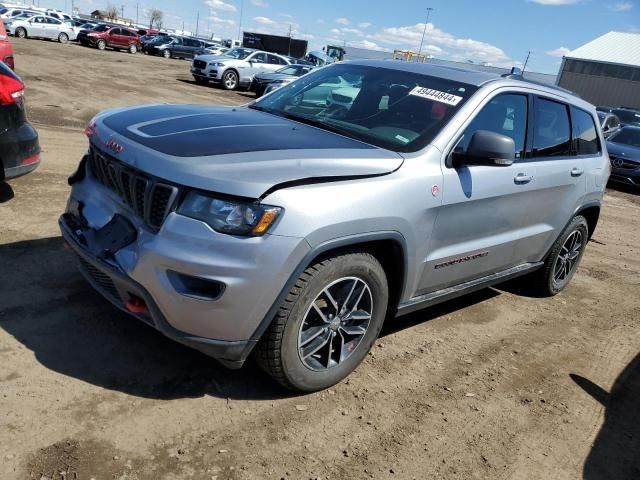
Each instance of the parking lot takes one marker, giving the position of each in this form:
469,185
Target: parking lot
493,385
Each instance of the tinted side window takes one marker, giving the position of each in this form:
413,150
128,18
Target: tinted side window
54,21
506,114
114,31
259,57
551,131
584,132
273,60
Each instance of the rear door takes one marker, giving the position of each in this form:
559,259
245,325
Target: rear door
479,226
54,27
273,63
560,182
37,27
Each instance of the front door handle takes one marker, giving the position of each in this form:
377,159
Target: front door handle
522,179
576,172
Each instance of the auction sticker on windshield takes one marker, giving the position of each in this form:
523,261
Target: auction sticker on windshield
436,95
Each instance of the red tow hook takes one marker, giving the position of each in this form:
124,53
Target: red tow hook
136,305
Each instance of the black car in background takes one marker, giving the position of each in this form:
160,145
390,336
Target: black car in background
624,153
19,146
627,116
174,46
272,80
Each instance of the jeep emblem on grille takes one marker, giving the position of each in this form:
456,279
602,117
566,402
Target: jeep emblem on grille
114,146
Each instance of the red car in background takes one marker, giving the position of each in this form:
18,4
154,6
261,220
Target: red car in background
6,50
118,38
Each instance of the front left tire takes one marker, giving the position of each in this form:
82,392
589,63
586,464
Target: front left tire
21,32
327,324
133,49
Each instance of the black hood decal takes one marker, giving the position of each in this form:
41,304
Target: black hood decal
198,131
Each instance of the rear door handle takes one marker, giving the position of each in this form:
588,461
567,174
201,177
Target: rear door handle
576,172
522,179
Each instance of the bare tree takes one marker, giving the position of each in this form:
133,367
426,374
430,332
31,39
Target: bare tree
155,18
111,12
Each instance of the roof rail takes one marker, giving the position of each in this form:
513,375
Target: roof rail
554,87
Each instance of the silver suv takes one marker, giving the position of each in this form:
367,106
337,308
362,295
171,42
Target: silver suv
294,226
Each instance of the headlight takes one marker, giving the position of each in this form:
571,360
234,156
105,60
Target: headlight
217,64
230,216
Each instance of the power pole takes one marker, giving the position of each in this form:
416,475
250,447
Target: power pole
137,11
240,23
121,12
429,10
197,22
524,67
289,40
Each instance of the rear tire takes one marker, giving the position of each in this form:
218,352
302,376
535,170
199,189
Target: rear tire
318,338
563,260
63,38
166,54
21,32
133,49
101,45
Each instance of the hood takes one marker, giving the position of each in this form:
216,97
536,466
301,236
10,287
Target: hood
235,151
622,150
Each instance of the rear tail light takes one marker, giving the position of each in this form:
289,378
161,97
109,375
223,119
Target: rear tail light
30,160
11,90
10,63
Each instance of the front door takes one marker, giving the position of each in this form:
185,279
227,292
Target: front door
479,225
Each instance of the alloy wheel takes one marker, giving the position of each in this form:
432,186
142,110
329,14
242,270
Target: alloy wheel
335,323
568,256
230,80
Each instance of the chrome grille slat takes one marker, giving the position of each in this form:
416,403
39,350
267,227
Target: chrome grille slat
149,198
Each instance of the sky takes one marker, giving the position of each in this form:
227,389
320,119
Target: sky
498,32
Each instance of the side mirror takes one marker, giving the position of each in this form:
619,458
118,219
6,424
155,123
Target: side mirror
489,148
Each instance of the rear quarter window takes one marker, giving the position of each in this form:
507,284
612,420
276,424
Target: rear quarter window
585,133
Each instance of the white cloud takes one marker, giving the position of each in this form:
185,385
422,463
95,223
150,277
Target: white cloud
352,30
554,3
221,21
558,52
221,5
343,21
264,21
621,7
260,3
335,30
458,48
286,15
320,20
366,44
364,25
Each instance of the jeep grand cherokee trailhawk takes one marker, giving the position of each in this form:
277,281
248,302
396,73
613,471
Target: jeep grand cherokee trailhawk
293,227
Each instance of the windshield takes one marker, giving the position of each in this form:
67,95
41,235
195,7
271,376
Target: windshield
238,53
627,136
393,109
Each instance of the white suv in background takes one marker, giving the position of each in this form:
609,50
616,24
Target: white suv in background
236,67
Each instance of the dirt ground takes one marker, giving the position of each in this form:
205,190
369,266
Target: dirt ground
497,385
